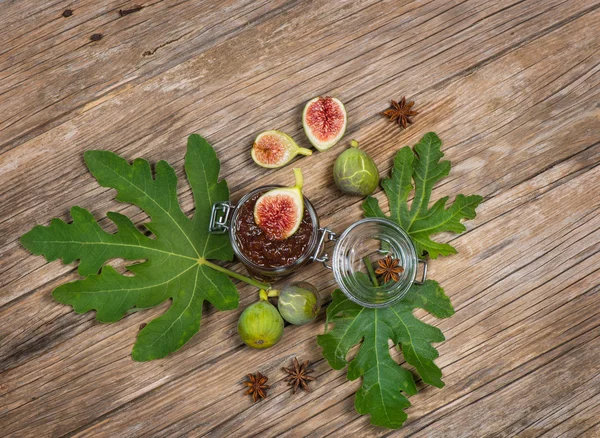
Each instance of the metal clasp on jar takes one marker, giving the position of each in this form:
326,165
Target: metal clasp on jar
219,217
319,255
424,276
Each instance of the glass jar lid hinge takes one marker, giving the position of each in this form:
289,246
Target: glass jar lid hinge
219,217
424,276
326,236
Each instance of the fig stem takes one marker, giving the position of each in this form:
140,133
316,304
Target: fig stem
369,265
251,281
304,151
264,295
354,144
299,178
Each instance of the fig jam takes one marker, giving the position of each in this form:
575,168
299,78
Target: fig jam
262,251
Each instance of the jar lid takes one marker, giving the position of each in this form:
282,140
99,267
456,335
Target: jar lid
366,242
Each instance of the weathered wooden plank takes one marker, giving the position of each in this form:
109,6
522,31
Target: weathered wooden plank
529,397
512,87
64,56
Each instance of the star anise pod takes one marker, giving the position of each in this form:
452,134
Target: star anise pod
389,268
257,388
298,375
401,112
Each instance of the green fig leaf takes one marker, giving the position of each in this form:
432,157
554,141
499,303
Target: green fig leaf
174,265
419,220
384,381
385,384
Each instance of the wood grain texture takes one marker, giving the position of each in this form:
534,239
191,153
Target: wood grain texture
511,86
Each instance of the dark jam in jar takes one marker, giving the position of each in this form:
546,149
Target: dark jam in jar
262,251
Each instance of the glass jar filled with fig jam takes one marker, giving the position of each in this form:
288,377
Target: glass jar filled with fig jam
355,253
264,258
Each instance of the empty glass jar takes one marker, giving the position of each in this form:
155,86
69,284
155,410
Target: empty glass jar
368,241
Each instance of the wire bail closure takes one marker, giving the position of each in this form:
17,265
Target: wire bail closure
219,217
424,276
319,255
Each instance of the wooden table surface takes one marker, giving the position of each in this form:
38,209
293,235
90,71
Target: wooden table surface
511,86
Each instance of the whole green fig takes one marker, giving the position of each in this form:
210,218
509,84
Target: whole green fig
260,325
299,303
355,172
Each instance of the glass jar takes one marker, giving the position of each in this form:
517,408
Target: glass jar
224,218
365,241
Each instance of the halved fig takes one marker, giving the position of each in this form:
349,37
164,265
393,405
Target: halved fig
324,120
279,212
275,149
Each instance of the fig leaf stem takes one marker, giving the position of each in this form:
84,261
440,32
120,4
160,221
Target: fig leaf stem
354,144
251,281
264,295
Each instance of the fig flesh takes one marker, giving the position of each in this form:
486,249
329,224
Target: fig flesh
299,303
324,120
260,325
279,212
355,173
273,149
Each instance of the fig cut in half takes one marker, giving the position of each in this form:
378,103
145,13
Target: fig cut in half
324,120
273,149
279,212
